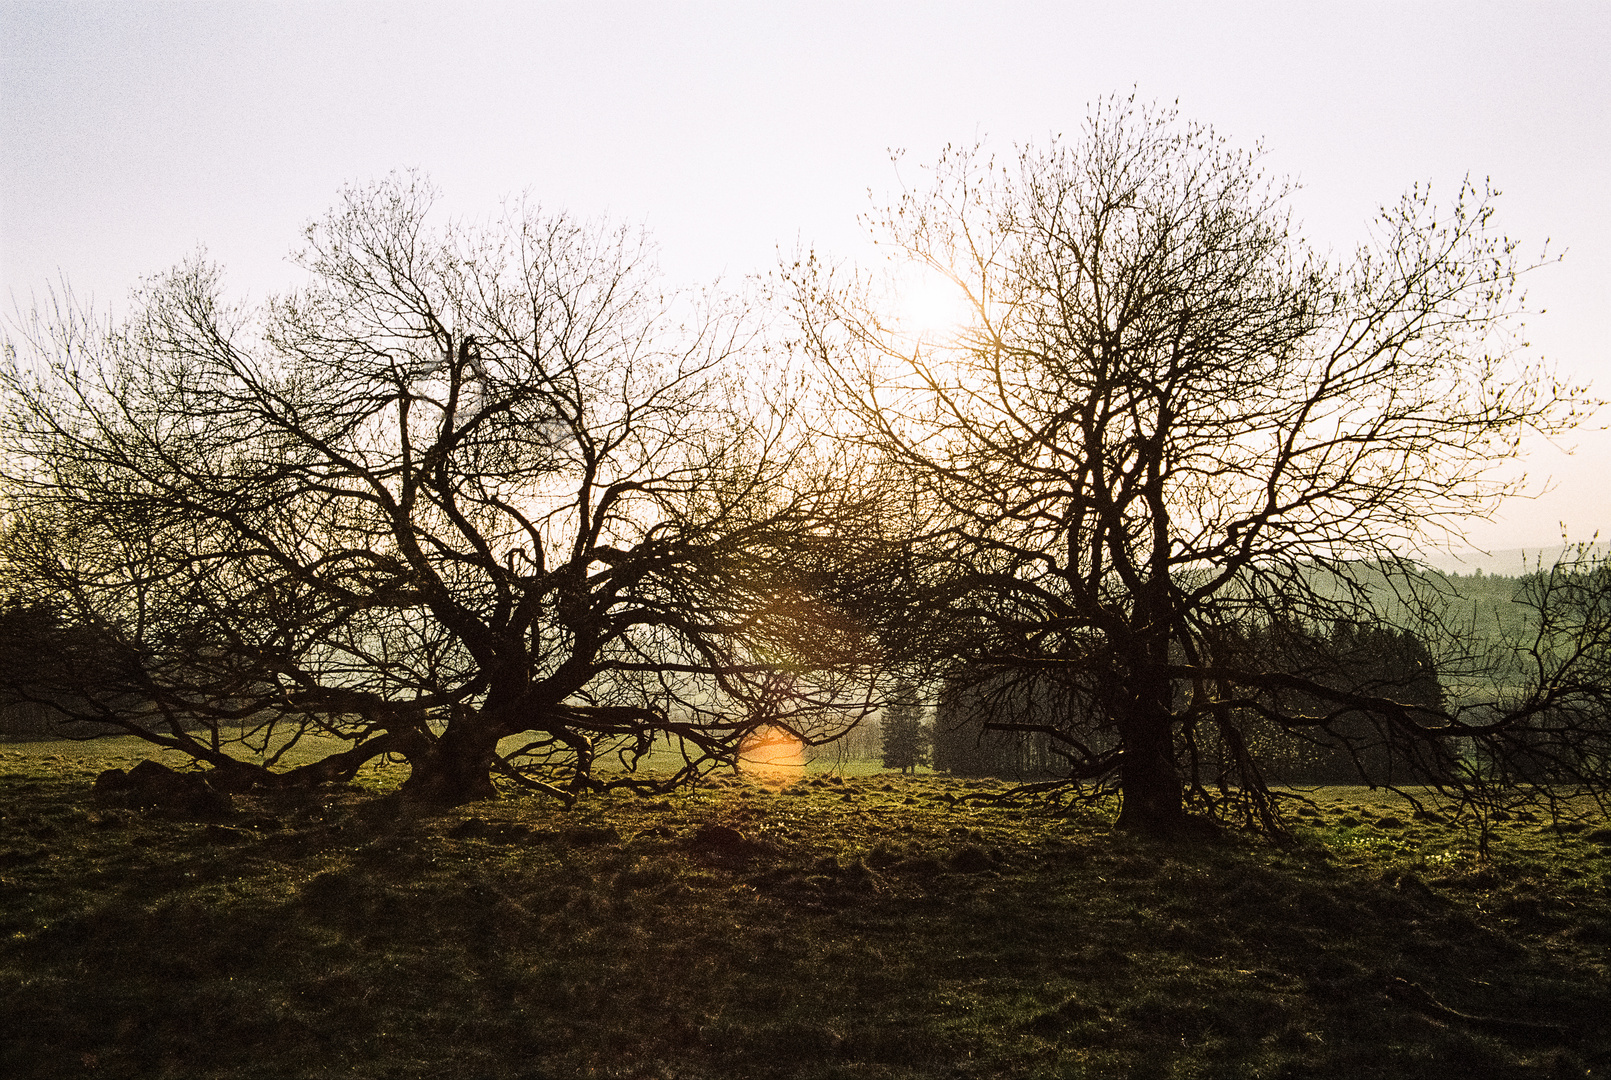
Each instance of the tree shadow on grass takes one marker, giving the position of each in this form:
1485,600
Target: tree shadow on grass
511,941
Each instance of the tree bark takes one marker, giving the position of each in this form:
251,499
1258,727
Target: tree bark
1149,783
1149,779
457,769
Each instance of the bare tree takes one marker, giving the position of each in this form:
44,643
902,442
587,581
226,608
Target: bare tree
1167,427
469,484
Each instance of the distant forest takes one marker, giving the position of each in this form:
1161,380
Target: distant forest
971,723
1484,605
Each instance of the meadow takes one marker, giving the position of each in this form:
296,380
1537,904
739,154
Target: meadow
798,923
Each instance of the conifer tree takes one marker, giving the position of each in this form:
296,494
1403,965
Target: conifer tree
906,737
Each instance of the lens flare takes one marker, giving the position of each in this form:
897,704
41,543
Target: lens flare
773,756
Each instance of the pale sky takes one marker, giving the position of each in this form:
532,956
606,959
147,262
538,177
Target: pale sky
131,133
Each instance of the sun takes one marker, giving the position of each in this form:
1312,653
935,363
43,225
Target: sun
928,305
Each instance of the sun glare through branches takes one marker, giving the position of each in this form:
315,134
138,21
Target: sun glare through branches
928,306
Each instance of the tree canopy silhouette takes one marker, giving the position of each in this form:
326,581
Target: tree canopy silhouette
470,483
1165,423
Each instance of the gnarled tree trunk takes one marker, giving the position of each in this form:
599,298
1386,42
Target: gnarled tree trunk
457,768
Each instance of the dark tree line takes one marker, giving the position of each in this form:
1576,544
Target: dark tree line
1297,734
51,658
999,724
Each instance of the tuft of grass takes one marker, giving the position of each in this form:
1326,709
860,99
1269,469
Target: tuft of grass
872,925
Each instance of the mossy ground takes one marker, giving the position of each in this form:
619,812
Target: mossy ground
869,926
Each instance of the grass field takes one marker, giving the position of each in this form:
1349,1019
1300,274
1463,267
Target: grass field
864,926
